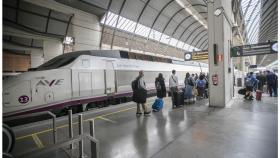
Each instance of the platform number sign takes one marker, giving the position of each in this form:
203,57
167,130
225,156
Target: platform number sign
23,99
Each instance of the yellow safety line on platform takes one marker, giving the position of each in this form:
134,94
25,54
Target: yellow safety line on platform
106,119
37,141
66,125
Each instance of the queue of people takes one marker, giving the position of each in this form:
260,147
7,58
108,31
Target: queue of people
194,86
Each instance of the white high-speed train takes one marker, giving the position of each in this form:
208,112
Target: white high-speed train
83,77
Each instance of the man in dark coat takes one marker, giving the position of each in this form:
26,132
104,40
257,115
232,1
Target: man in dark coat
271,79
160,86
140,94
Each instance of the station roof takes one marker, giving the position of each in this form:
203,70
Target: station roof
268,30
261,20
176,22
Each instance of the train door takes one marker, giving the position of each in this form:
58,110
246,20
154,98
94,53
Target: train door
85,84
109,78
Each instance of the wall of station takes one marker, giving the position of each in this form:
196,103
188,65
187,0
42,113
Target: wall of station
84,27
13,62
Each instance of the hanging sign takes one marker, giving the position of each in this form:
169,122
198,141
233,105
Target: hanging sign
255,49
196,55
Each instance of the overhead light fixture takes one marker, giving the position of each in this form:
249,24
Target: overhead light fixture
218,11
69,40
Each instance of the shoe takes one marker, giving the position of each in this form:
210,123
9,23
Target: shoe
251,98
147,113
138,113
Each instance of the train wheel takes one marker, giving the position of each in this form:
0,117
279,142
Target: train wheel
8,139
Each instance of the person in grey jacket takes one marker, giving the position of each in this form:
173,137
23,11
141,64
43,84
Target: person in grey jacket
140,94
173,87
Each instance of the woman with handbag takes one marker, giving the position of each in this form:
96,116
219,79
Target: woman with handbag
189,85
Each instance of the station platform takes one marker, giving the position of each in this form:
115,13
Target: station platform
245,129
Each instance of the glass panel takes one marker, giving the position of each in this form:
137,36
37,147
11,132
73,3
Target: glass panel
142,30
155,35
173,42
164,39
180,44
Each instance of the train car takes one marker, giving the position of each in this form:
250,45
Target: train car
79,78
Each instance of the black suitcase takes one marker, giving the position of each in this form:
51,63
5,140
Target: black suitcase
242,91
179,99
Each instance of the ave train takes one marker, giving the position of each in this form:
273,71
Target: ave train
83,77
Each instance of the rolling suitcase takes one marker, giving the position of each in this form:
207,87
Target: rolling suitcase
179,99
259,95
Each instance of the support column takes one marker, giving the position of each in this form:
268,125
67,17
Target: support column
220,34
52,48
36,57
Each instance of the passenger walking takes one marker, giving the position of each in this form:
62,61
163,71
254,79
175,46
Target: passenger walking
189,85
272,84
140,93
173,87
161,93
200,84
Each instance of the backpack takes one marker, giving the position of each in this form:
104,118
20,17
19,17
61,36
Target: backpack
158,85
158,105
190,82
134,85
248,82
200,83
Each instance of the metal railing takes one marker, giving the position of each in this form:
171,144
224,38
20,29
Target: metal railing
35,115
58,145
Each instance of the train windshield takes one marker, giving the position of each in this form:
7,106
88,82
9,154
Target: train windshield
56,62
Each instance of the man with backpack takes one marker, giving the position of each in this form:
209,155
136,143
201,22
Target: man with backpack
140,93
250,81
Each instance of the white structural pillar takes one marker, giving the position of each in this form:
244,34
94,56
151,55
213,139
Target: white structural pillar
36,57
52,48
220,36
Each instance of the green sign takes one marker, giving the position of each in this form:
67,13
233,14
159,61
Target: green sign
255,49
